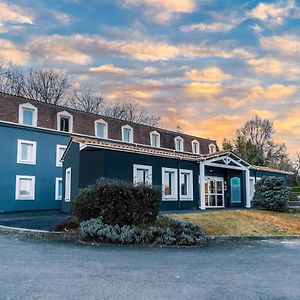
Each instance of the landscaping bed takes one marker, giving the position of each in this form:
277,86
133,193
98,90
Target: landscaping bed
244,222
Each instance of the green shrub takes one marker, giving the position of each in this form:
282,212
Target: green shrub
163,232
296,190
271,193
118,202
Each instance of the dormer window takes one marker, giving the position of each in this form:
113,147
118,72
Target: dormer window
155,139
127,134
101,129
179,143
64,122
195,147
212,148
28,114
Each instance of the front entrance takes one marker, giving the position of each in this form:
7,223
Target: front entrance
214,192
235,191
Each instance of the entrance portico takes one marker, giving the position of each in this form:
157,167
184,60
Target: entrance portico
224,181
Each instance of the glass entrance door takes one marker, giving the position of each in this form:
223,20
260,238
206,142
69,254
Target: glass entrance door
214,192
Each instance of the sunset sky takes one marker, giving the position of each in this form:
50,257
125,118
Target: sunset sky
204,65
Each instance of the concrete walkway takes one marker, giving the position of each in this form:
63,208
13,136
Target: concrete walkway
41,220
34,269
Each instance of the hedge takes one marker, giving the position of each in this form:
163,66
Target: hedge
118,202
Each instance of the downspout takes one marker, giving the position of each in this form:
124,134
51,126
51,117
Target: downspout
178,185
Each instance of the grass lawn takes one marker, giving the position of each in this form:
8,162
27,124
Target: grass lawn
244,222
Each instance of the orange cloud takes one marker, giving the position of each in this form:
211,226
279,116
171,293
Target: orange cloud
286,44
206,88
273,91
209,74
165,11
9,52
109,69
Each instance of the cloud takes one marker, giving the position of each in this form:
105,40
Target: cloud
267,65
109,68
79,48
150,70
162,12
232,102
63,18
58,49
275,67
209,27
287,44
10,52
213,74
203,88
265,114
273,91
11,15
273,13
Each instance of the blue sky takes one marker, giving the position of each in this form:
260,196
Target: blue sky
206,66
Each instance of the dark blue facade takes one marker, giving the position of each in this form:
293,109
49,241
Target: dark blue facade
45,169
92,164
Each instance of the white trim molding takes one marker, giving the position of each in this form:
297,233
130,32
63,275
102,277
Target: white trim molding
195,147
190,192
181,143
34,110
68,184
130,135
152,133
66,115
102,122
58,156
147,175
29,160
58,180
173,177
31,190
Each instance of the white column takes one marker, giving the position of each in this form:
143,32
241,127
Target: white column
248,202
202,185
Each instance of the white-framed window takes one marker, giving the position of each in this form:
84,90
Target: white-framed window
68,179
142,174
101,129
127,134
58,188
212,148
195,147
186,185
179,143
64,121
28,114
25,187
60,150
169,184
26,152
155,139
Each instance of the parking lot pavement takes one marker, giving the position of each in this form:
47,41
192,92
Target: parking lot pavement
35,269
43,220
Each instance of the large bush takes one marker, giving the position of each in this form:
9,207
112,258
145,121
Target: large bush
271,193
118,202
163,232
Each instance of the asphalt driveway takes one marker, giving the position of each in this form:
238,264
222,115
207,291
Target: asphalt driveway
41,220
35,269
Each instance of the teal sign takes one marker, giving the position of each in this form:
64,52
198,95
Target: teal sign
235,186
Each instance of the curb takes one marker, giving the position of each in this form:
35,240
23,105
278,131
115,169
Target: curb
217,240
40,234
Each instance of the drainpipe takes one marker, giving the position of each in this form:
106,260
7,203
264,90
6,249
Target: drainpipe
178,184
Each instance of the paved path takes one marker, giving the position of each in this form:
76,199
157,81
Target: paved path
42,220
35,269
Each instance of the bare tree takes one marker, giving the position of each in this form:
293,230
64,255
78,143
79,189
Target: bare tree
297,168
46,85
131,112
87,100
11,80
